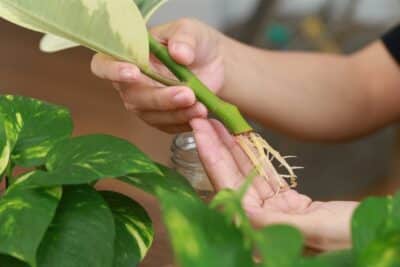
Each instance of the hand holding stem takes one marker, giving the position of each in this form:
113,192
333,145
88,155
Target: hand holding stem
169,108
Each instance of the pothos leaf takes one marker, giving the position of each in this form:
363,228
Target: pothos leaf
395,213
201,236
52,43
272,240
376,232
154,183
383,251
25,215
82,233
369,222
8,261
148,7
86,159
332,259
31,128
133,229
5,148
116,27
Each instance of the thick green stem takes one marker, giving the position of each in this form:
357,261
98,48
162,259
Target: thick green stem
226,112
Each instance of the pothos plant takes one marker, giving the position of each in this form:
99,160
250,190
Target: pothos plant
51,215
118,28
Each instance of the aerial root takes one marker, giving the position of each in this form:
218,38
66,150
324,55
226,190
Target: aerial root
263,156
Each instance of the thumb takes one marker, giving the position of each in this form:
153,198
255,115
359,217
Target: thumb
184,38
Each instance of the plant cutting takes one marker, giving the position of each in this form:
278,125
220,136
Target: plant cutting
118,28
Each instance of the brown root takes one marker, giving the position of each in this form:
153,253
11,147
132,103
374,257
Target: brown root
263,157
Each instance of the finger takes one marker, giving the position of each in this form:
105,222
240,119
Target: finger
106,67
182,116
150,99
241,159
216,158
182,47
182,37
260,185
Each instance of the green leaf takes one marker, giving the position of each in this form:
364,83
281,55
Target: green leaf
394,224
280,246
369,222
116,27
89,158
201,236
230,203
154,183
332,259
148,7
5,148
52,43
32,128
7,261
378,232
134,230
25,215
82,233
382,252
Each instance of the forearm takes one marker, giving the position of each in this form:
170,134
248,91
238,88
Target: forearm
310,95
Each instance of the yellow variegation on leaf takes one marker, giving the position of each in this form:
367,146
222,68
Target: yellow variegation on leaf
52,43
116,27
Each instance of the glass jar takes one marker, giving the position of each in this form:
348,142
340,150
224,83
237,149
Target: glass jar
186,161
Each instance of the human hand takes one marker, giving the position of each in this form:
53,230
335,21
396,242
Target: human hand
190,43
326,225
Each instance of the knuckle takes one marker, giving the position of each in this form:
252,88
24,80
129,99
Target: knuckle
117,86
97,65
185,23
144,117
130,107
158,101
183,117
94,65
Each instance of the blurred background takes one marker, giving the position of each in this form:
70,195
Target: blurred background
341,171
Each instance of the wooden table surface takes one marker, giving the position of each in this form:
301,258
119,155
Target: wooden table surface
65,79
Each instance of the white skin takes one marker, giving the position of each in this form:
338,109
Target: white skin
307,95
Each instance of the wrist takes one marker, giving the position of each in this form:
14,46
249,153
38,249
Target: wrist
228,51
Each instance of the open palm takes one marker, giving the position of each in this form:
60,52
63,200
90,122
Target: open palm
326,225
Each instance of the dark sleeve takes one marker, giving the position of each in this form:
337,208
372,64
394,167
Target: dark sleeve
392,42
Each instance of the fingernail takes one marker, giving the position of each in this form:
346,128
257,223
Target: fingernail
181,98
128,74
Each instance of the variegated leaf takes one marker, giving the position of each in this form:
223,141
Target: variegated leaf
116,27
53,43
